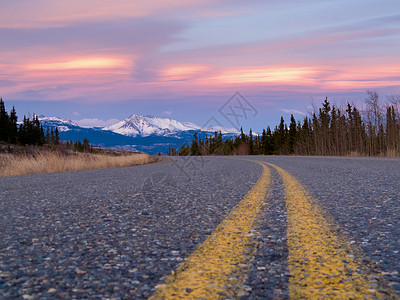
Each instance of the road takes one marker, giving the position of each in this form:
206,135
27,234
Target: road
211,227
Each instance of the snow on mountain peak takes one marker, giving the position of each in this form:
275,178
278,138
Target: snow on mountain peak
148,125
223,130
56,119
61,124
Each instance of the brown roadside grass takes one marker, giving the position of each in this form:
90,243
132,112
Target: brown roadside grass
50,162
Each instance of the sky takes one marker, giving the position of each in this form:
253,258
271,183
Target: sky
99,61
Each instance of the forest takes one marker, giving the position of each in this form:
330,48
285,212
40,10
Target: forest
30,132
373,130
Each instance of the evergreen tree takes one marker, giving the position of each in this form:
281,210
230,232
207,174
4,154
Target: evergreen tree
292,135
4,123
242,136
48,137
194,149
324,122
219,145
333,133
251,143
57,137
279,137
350,135
52,138
264,143
13,126
184,150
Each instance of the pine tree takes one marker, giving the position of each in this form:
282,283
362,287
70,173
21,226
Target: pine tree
264,143
48,137
333,133
343,133
4,123
292,135
242,136
13,126
350,122
219,144
38,134
279,137
56,137
324,121
184,150
194,149
251,143
52,138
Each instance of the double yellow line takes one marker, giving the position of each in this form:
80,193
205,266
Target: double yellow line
218,268
320,264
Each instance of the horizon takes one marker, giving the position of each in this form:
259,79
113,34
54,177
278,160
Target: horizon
97,63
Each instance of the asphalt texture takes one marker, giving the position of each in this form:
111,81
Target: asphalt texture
362,198
118,233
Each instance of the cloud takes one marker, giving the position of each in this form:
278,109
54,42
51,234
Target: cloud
81,63
283,75
119,36
292,111
97,50
60,13
167,112
183,72
110,54
95,122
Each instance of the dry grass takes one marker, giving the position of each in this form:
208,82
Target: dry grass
50,162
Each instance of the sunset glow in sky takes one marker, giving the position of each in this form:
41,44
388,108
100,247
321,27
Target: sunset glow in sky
100,61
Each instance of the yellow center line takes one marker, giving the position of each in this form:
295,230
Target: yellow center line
218,268
321,265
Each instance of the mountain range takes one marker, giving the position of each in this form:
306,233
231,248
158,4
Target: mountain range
138,133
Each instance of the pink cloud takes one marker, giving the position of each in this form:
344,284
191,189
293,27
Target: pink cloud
111,83
80,63
116,50
268,75
365,77
183,72
43,13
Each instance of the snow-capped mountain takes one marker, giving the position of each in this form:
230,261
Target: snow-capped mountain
136,125
62,124
142,133
147,125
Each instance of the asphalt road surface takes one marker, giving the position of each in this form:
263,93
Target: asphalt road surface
205,227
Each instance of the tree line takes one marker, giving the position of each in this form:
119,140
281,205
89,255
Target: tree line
30,132
373,130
